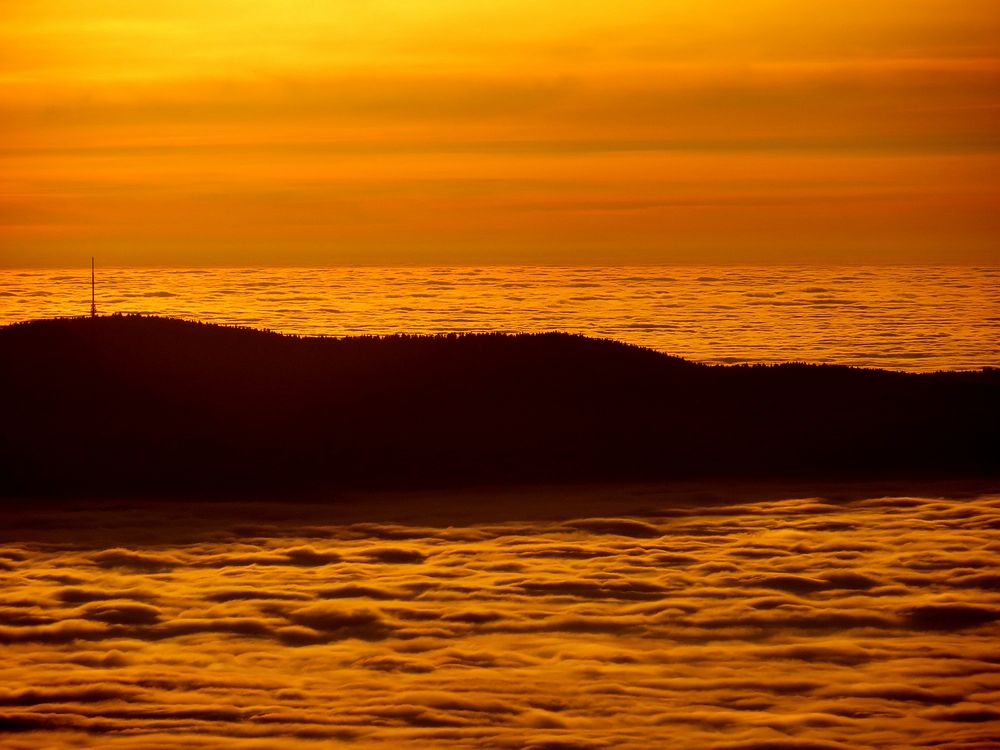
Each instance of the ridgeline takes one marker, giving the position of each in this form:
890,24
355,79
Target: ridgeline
132,404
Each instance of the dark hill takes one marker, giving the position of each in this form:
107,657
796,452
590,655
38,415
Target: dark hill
155,405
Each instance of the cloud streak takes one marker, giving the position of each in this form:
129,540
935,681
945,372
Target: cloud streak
172,126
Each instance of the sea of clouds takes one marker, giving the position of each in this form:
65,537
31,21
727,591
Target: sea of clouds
920,318
805,624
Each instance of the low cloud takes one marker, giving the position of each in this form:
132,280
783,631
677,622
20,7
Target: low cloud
785,624
118,612
130,559
395,555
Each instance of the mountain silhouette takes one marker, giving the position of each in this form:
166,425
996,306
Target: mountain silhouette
127,404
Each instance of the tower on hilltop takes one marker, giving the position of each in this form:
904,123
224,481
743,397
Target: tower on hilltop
93,297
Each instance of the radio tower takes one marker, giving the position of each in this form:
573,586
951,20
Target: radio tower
93,298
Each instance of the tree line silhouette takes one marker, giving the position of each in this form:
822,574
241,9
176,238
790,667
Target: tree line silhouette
125,404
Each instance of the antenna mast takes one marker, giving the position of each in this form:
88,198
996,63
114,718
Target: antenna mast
93,298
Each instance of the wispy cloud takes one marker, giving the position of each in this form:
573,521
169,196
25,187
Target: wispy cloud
268,117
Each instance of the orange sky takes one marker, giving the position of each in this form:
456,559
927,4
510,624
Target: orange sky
460,131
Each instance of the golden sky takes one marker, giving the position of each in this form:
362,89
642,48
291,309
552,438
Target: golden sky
463,131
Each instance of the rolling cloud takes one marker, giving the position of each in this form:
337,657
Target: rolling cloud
778,624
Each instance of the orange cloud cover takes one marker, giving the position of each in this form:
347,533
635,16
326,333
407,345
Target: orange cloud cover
761,130
738,624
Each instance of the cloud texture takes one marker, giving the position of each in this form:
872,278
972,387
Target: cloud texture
780,624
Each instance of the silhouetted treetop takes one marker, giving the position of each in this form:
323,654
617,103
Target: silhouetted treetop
132,403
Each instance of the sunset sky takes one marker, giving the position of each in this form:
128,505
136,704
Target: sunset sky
459,131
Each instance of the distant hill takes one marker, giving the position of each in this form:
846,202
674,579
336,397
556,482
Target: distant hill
162,406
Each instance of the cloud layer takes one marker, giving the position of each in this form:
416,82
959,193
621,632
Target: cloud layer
794,623
224,132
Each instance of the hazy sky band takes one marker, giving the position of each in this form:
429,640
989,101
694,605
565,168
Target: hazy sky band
754,131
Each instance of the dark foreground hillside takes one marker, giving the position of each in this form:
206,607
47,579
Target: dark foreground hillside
154,405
